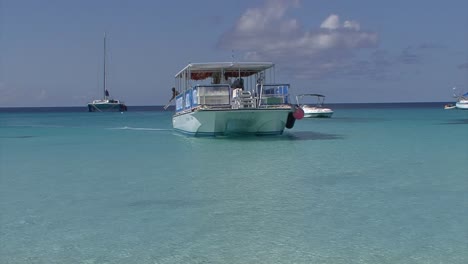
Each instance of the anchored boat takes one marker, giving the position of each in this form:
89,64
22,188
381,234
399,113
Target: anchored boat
449,106
462,102
106,104
226,98
318,110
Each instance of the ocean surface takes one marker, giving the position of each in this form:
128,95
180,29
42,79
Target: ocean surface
377,183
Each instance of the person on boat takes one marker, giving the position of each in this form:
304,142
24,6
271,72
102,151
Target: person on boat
216,78
237,86
226,80
174,94
238,83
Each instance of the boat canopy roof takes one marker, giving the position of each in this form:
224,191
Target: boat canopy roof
318,95
201,71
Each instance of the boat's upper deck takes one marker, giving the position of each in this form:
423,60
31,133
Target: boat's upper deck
201,71
235,85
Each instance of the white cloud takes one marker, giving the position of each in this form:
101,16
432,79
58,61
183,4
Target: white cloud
332,22
267,33
352,25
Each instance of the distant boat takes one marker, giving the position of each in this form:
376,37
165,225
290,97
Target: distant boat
449,106
208,104
318,110
462,102
106,104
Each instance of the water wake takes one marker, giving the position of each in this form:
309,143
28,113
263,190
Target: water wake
141,128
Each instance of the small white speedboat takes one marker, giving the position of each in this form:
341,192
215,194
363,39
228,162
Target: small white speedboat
449,106
315,111
462,100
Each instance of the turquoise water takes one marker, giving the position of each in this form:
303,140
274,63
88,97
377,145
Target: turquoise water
369,185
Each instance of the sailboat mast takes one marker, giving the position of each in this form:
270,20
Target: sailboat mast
104,81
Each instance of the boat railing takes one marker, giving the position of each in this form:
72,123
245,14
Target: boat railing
223,96
273,94
215,94
204,95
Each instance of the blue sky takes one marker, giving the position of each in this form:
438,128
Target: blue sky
351,51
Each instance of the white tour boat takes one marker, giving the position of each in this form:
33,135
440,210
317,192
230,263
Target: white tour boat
106,104
317,110
462,102
228,98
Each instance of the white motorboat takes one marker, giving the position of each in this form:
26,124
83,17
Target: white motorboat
449,106
462,102
106,104
318,110
228,98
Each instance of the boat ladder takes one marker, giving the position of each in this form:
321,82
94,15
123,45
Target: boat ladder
243,99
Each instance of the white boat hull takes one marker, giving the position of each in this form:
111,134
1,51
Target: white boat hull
311,112
228,121
107,107
462,104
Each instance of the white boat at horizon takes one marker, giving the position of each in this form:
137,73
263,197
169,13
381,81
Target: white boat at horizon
208,103
462,101
106,104
318,110
450,106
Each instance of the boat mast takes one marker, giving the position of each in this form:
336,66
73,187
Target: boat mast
104,81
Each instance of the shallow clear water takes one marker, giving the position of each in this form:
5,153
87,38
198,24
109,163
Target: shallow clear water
366,186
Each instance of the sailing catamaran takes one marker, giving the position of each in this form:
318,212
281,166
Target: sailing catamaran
106,104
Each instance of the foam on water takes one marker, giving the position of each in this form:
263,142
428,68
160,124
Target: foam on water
142,128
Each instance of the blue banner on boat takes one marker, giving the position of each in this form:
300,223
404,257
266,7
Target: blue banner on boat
179,103
188,99
195,96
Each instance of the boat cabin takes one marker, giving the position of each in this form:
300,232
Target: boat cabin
229,85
